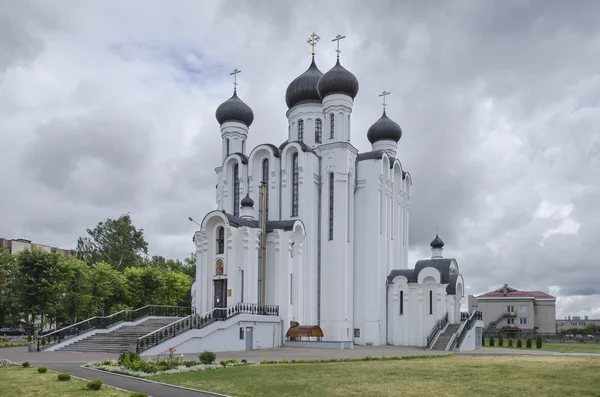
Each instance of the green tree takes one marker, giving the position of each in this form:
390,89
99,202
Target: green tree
40,283
9,300
176,288
107,288
145,286
114,241
76,289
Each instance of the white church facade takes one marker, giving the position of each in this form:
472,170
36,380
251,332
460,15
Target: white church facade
318,229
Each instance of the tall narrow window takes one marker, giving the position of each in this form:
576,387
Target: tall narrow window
318,131
226,147
295,184
242,296
331,126
291,289
301,130
236,191
265,179
220,240
430,302
331,206
244,147
401,302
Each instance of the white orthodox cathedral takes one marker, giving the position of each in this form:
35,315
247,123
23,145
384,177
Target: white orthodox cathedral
318,229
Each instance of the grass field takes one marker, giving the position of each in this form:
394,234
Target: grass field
448,376
561,347
26,382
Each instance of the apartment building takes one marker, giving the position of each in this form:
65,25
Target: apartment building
17,245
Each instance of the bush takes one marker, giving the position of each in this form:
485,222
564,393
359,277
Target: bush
528,342
138,395
190,363
500,340
519,343
245,362
95,384
26,364
492,341
510,342
207,357
109,363
538,342
42,370
126,358
64,377
482,340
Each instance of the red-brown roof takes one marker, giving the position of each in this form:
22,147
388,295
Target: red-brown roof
513,293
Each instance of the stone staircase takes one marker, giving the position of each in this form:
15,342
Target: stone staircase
444,337
119,340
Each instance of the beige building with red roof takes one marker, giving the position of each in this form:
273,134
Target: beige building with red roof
508,309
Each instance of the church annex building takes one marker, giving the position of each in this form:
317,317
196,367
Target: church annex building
312,233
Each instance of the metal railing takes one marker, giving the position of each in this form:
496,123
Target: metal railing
465,328
495,323
104,322
199,321
437,327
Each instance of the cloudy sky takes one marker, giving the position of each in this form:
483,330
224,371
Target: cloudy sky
108,108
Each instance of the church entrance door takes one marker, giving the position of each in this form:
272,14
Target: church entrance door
220,298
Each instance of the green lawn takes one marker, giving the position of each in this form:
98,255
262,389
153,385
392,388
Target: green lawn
27,382
561,347
449,376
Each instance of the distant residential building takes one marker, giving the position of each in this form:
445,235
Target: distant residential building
575,322
509,309
18,245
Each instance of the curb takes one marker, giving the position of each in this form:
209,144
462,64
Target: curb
153,381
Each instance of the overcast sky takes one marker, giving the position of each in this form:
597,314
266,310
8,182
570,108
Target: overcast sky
108,108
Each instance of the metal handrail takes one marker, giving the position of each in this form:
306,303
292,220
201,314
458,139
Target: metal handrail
465,328
437,327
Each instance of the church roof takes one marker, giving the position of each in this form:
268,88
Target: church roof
441,264
236,221
303,145
247,201
437,242
338,80
384,129
304,87
234,109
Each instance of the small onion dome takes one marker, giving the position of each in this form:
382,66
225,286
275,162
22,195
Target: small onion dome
384,129
247,201
304,87
338,81
437,242
234,109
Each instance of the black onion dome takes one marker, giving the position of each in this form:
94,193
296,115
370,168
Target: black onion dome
234,109
437,242
304,87
338,80
384,129
247,201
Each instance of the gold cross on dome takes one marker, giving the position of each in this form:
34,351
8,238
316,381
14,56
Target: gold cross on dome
312,40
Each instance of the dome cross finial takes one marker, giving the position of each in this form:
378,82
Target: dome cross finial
338,38
384,94
312,40
234,74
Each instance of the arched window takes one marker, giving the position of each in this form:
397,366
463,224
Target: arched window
301,130
295,184
265,179
430,302
331,206
236,191
331,126
227,147
220,240
318,131
401,302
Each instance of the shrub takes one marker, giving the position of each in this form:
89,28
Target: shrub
245,362
138,395
368,358
482,340
64,377
42,370
207,357
492,341
223,363
510,342
26,364
500,340
528,342
95,384
519,343
190,363
126,358
538,342
110,363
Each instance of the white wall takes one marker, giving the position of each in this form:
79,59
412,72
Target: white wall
225,336
472,340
